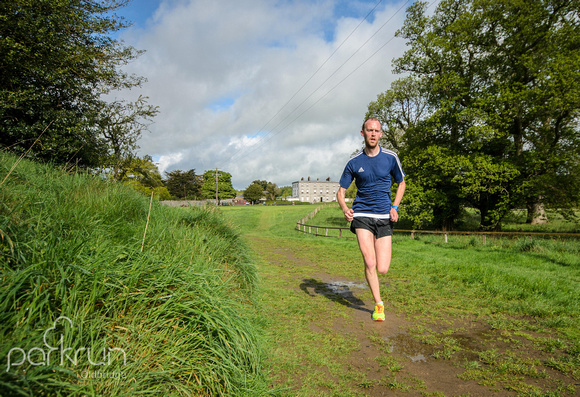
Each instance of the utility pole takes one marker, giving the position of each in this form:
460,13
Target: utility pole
216,187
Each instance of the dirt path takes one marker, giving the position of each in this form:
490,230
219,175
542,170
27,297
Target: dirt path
382,358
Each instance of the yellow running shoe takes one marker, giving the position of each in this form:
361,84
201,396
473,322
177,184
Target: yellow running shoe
379,313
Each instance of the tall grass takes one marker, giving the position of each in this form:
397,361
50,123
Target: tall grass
84,312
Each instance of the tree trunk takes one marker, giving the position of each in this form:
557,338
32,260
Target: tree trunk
536,213
486,206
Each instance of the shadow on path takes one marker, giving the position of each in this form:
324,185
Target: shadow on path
338,291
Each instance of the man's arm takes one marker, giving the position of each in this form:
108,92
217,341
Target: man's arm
340,197
397,201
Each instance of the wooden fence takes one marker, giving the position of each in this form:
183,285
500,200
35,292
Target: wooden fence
313,213
344,232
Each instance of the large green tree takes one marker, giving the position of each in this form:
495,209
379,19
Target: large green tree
223,188
269,190
184,184
495,86
57,60
254,192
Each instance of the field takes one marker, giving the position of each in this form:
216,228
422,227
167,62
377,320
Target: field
104,293
463,319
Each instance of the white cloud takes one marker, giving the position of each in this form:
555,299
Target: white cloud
165,161
226,76
244,142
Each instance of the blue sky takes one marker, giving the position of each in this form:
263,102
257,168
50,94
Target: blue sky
268,90
139,11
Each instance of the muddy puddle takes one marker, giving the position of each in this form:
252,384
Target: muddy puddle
337,291
409,347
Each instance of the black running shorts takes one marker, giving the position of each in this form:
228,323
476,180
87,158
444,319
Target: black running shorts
379,227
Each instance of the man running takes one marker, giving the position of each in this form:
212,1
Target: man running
373,170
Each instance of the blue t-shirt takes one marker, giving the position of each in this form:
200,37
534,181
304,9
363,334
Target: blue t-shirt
373,177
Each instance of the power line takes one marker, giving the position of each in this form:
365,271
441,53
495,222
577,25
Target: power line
261,143
309,79
240,153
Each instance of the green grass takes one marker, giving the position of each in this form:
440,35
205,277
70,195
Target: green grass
524,294
178,318
198,313
329,217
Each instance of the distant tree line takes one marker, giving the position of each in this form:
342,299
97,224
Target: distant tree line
187,185
487,115
261,189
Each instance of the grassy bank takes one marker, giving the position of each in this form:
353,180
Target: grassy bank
496,319
86,311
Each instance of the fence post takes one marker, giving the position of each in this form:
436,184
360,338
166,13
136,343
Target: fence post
445,237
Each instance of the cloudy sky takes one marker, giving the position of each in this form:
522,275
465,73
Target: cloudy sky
262,89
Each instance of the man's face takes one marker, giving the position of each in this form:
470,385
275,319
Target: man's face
371,133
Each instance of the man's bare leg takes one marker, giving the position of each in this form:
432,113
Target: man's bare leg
377,258
383,254
366,243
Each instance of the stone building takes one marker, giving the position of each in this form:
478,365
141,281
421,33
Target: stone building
314,191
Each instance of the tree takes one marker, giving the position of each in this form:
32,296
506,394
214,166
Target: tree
272,190
286,191
57,60
401,109
263,184
500,128
143,175
254,192
224,188
184,184
268,189
121,124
